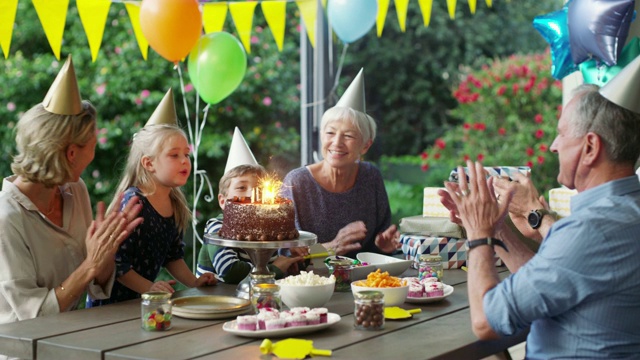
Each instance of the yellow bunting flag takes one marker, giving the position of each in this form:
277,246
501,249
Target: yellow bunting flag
275,14
472,6
242,14
401,12
425,8
8,10
451,5
93,15
309,12
324,3
52,15
133,9
489,3
383,7
213,17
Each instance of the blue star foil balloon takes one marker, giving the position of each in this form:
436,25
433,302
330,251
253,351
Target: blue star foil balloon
554,29
594,72
599,28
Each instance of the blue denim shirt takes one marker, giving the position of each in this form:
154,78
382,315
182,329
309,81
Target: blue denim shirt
581,292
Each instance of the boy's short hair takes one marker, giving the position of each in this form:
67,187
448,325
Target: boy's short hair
240,170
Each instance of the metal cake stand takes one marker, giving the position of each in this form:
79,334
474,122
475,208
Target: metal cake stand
259,252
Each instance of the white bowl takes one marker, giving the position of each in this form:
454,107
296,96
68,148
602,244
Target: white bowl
392,295
311,296
393,265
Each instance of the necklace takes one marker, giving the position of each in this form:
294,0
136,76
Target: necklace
52,206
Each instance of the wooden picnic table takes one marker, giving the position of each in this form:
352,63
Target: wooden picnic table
441,331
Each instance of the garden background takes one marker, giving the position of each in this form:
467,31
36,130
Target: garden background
478,86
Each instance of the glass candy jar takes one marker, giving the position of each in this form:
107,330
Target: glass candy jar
430,266
265,296
341,269
156,311
368,312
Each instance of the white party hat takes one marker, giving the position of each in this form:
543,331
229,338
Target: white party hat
353,97
63,97
239,152
623,90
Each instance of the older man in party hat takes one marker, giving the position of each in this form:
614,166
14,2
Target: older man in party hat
579,294
52,251
341,198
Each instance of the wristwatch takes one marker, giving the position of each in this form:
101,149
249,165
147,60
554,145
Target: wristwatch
470,244
535,217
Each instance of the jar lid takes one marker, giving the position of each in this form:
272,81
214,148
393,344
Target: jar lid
156,295
369,295
266,288
340,262
431,258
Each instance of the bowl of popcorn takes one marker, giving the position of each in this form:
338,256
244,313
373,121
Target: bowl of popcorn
306,290
393,288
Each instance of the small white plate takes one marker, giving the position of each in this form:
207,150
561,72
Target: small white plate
232,327
448,290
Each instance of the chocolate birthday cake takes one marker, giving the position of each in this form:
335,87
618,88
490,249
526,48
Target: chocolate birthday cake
252,221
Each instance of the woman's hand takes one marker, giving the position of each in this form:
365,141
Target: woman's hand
165,286
349,238
207,279
387,241
105,235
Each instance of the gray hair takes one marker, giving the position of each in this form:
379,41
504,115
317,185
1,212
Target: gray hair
42,139
618,127
363,122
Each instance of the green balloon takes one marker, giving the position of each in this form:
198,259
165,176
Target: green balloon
217,64
600,74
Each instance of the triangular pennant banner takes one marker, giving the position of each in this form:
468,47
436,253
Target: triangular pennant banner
383,8
401,12
242,14
8,10
425,8
213,17
134,15
488,3
472,6
52,15
275,14
309,12
93,15
451,5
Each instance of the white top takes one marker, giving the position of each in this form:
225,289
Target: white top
36,255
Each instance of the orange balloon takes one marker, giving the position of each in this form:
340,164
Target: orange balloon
172,27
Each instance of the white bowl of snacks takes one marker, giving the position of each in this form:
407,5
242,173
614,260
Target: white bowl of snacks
306,290
393,288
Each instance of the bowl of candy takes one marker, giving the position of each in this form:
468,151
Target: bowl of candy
393,288
306,290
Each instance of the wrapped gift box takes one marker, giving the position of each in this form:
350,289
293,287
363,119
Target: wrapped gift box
431,205
502,171
559,200
431,226
452,250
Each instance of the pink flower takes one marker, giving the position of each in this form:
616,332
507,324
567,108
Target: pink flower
540,159
480,126
254,40
258,29
474,97
278,124
138,101
502,131
501,90
530,164
188,88
118,50
538,118
440,144
145,93
466,126
530,152
465,158
424,155
424,167
480,157
436,156
543,147
100,89
539,133
266,101
515,88
102,140
11,106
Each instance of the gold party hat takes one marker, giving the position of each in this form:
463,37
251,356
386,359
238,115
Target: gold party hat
624,89
239,152
353,97
165,112
63,97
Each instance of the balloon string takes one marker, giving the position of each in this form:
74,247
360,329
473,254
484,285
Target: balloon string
336,81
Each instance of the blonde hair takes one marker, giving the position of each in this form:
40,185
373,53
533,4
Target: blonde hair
240,170
42,140
365,124
149,142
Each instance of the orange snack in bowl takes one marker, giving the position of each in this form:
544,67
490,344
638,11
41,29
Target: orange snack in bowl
382,279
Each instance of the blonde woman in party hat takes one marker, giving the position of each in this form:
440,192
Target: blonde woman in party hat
342,199
158,165
51,249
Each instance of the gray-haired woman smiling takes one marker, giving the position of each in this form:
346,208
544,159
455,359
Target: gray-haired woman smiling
51,250
342,199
